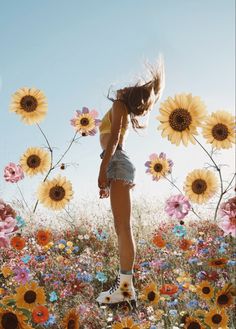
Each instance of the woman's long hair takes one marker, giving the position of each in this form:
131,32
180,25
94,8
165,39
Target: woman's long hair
140,97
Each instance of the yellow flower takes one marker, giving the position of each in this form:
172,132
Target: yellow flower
30,104
217,318
192,322
158,166
126,323
71,319
6,271
10,318
150,294
200,185
224,297
29,295
69,243
69,251
55,193
180,117
219,129
35,160
205,290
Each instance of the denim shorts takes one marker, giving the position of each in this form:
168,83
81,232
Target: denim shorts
120,167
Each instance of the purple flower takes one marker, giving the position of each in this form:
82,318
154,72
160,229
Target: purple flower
22,275
86,122
158,166
177,206
13,173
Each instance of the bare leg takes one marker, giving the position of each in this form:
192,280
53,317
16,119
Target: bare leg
121,208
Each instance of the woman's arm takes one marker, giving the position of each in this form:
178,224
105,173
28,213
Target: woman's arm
118,111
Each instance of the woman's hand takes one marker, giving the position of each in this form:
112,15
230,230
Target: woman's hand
103,183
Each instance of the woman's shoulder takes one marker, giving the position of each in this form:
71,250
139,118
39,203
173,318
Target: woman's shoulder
118,105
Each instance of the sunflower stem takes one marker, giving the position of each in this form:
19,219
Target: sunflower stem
172,183
222,192
23,197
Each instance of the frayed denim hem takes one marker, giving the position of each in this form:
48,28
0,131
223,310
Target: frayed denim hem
125,181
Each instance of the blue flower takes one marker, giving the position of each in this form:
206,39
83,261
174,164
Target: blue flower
221,250
51,320
201,275
76,249
144,264
53,296
231,262
101,277
172,303
179,230
173,312
62,241
193,260
40,258
26,258
20,221
192,304
205,251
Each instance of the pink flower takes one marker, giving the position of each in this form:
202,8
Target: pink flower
228,208
177,206
6,211
228,225
22,275
4,241
13,173
8,225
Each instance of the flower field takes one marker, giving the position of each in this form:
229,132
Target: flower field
54,263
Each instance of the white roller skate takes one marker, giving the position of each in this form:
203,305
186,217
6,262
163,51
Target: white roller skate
121,291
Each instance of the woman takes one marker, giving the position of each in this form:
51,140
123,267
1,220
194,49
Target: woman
117,172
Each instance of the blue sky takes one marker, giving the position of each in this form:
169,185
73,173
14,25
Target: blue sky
75,50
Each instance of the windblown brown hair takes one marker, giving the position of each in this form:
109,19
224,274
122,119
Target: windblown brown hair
138,98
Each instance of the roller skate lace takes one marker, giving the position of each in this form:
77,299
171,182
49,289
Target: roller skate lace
115,285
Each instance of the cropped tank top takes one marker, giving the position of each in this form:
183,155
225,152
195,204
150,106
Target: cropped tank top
105,126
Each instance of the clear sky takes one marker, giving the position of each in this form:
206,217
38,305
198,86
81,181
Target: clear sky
75,50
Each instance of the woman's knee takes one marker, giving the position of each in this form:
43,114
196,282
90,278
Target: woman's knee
122,227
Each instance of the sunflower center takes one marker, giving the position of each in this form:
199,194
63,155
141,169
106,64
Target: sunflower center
57,193
194,325
125,293
217,318
222,299
218,262
199,186
151,296
206,290
71,324
84,121
33,161
220,131
180,119
9,320
30,296
29,103
158,167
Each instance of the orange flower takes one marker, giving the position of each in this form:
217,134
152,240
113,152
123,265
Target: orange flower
43,237
168,289
40,314
184,244
218,262
158,241
17,242
6,271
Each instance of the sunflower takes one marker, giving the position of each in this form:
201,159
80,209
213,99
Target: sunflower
219,129
216,318
180,117
6,271
126,323
10,318
30,104
35,160
17,242
43,237
192,323
85,122
150,294
200,185
224,297
71,320
55,193
30,295
205,290
218,262
159,166
40,314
